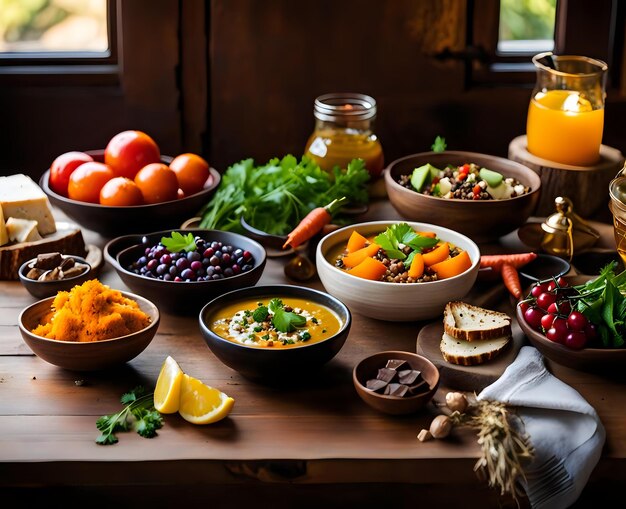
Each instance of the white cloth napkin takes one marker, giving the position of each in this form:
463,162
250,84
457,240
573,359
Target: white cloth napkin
564,429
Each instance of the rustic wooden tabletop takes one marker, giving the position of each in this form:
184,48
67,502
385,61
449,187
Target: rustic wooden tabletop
310,439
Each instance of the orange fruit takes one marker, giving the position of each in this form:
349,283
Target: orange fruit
87,180
157,183
192,172
120,192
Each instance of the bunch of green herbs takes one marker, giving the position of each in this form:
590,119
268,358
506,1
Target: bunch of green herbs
396,237
276,196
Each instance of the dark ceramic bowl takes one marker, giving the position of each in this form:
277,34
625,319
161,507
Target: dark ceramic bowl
111,221
598,360
92,356
181,297
481,220
43,289
266,364
544,267
367,369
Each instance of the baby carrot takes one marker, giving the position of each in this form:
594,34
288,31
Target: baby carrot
511,280
496,262
312,223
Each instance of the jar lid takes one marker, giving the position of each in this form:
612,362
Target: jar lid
344,106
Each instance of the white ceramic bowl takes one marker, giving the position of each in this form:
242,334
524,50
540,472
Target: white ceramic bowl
395,301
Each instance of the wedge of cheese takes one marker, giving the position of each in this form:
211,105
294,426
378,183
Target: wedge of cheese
22,230
21,198
4,236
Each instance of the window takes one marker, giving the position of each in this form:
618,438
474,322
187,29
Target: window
526,26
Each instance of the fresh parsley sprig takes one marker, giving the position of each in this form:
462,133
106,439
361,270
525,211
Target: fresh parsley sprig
138,414
285,321
178,242
401,234
439,145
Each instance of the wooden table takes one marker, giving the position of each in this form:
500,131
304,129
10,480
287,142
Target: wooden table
312,440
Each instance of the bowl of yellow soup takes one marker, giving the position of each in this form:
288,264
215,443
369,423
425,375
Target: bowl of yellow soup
266,332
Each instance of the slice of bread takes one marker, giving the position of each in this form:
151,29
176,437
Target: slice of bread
470,353
472,323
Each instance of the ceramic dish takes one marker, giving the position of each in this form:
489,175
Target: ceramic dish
273,364
42,289
368,368
481,220
92,356
394,301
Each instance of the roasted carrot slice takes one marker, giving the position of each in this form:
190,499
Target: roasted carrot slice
369,268
353,259
416,270
356,242
452,266
439,254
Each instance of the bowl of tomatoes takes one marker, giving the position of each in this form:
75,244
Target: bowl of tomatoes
129,187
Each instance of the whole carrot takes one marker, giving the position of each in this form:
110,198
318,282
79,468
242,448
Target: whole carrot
496,262
511,280
312,223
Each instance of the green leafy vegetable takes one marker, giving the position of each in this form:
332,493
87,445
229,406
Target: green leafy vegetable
260,314
276,196
439,145
138,414
285,321
401,234
178,242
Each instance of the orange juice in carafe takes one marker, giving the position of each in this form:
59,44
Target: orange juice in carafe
563,127
566,111
344,131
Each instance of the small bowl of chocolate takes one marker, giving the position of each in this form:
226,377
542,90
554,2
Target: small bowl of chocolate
51,273
395,382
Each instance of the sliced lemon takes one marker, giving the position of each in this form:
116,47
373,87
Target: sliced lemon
201,404
167,390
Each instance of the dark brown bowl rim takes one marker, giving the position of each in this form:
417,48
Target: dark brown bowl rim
155,318
118,267
27,280
454,153
388,397
315,295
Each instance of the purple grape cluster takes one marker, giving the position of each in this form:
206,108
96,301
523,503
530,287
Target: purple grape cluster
210,260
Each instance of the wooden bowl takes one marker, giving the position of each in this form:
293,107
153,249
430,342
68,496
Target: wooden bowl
43,289
267,364
111,221
600,360
93,356
394,405
181,297
481,220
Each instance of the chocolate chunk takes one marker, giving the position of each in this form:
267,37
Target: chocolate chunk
34,273
73,271
395,363
419,387
67,264
48,261
386,374
375,384
408,376
50,275
396,390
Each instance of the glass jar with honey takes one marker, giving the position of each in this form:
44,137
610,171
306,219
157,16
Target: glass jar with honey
344,131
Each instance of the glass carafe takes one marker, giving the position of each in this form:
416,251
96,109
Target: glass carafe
566,112
344,130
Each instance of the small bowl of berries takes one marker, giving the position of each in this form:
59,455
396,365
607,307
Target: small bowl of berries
577,321
182,270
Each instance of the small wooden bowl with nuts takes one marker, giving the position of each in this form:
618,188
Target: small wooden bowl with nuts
395,382
51,273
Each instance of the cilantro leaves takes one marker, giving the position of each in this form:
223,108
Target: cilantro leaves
439,145
138,414
178,242
285,321
394,238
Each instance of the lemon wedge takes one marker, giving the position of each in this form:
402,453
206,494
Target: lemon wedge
167,390
201,404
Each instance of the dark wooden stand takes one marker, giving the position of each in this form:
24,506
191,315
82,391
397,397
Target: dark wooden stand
586,186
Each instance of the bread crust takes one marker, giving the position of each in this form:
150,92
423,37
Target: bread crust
453,329
472,359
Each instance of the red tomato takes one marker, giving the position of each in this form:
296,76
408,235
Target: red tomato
157,183
192,172
87,180
62,167
120,192
129,151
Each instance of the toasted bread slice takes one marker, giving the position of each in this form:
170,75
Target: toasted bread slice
472,323
471,353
